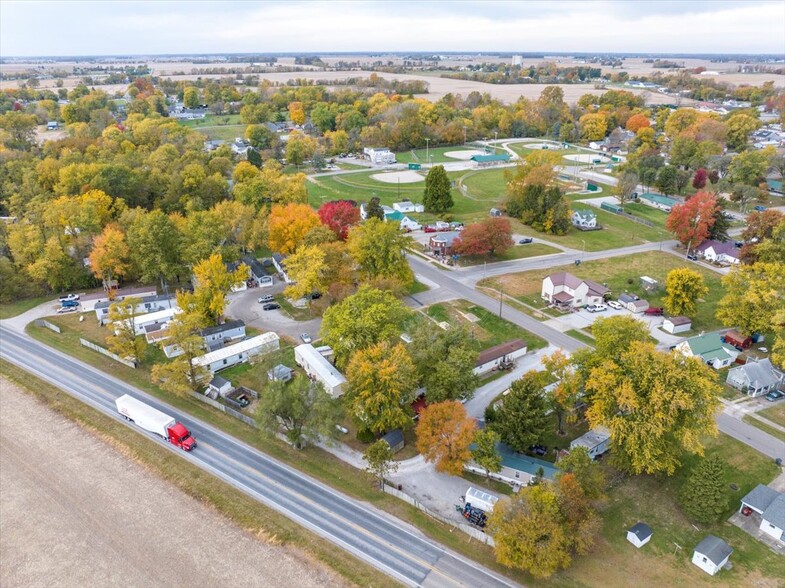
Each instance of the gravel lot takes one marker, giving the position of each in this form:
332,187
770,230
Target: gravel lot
75,512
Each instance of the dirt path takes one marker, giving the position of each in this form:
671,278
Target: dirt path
74,512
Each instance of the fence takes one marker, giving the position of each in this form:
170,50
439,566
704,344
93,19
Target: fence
106,352
47,324
228,410
471,531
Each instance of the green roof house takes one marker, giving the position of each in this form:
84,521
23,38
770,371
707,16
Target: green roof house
658,201
710,349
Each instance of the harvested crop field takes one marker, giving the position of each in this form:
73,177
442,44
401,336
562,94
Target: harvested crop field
76,512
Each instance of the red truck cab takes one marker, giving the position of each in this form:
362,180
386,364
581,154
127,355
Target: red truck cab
181,437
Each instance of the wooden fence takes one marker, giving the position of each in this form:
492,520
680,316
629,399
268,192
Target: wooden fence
47,324
228,410
106,352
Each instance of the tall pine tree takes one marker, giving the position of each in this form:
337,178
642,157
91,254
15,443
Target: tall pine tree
437,197
522,421
703,495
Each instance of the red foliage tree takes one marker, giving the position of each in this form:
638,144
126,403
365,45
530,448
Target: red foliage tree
690,222
339,216
699,179
493,235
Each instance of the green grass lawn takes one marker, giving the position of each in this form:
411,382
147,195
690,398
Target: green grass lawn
620,274
489,330
653,215
515,252
488,484
223,133
17,307
552,439
776,413
435,153
212,120
776,433
580,336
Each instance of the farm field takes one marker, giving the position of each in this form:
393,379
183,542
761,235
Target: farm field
620,274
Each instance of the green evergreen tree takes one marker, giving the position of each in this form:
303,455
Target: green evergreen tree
374,209
437,197
703,496
522,420
254,157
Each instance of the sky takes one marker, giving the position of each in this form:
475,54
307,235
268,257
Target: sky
60,28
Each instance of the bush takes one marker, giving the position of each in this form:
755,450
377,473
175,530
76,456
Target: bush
365,436
490,414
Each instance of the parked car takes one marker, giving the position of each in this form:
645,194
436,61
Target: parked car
654,311
774,395
315,295
525,240
692,257
760,208
615,305
271,306
538,450
67,309
266,298
306,338
69,297
70,303
596,307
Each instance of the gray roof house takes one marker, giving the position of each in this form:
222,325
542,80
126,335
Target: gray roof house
597,441
147,304
216,336
711,554
584,219
568,291
258,272
770,505
755,378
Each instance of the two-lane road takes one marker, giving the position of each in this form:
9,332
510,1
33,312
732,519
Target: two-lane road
369,534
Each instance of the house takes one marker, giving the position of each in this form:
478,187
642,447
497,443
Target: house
217,336
237,353
407,206
144,320
639,534
394,439
724,253
441,243
755,378
319,369
408,224
597,441
657,201
711,554
710,349
379,155
566,291
481,499
385,209
219,385
517,468
258,274
632,303
770,506
584,219
280,266
676,324
233,266
156,332
489,359
146,305
280,373
240,146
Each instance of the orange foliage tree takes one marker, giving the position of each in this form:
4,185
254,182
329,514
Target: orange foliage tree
690,222
637,122
109,257
444,435
288,225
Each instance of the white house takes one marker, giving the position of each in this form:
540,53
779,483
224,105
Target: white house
567,291
711,554
490,358
319,369
633,303
364,211
146,305
639,534
408,224
770,505
724,253
407,207
379,155
676,324
584,219
755,378
151,318
238,353
710,349
217,336
219,385
597,441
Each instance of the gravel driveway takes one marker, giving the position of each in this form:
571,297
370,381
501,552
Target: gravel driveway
244,306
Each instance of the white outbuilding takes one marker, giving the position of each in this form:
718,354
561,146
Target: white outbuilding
711,554
318,368
676,324
481,499
639,534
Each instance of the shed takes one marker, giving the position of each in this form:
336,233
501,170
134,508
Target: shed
676,324
639,534
649,284
610,207
220,385
711,554
495,212
394,439
481,499
597,441
280,373
737,340
633,303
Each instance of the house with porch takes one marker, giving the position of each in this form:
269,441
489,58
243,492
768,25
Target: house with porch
755,378
564,290
710,349
491,358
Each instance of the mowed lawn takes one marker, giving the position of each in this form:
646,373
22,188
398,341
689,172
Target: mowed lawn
776,413
620,274
653,500
488,330
436,154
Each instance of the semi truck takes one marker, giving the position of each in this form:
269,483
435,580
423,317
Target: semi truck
155,421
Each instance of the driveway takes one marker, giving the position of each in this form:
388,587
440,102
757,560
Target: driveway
244,306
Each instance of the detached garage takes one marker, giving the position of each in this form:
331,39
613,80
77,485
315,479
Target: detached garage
676,324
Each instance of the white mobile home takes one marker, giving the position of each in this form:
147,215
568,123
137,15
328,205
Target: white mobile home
597,441
238,353
319,369
161,316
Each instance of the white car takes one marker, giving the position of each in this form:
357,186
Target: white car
69,297
306,338
614,305
265,299
596,307
67,309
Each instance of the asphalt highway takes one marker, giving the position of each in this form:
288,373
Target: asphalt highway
369,534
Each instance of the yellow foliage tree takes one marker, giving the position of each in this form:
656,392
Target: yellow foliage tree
444,434
110,255
213,282
288,225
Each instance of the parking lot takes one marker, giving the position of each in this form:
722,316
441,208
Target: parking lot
244,306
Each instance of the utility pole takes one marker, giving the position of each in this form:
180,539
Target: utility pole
427,149
500,299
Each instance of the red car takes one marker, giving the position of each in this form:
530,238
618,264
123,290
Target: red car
654,311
